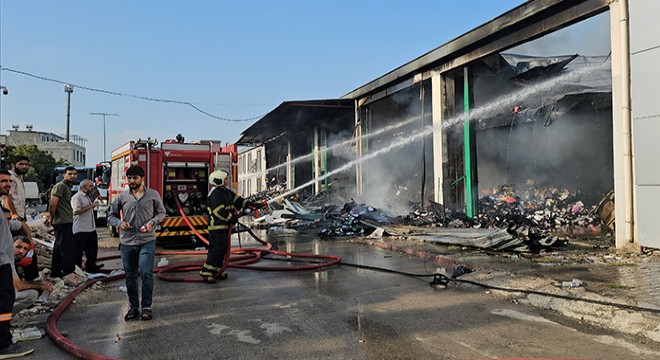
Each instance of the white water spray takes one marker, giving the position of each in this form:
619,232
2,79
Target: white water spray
503,101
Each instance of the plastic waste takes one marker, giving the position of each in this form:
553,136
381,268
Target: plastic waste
163,262
571,284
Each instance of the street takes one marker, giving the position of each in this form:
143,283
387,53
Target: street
342,313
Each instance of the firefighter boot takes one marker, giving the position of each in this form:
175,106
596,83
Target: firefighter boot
208,273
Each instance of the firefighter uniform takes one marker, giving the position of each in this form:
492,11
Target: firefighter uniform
222,205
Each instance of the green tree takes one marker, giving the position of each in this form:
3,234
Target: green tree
41,163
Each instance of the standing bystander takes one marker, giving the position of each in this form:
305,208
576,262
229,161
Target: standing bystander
61,217
15,200
7,294
84,228
136,212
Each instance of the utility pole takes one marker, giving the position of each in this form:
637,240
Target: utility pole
104,115
68,89
5,91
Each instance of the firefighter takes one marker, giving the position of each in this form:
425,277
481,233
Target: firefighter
222,205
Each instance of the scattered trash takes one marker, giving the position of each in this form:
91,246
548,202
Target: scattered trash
571,284
123,288
163,262
76,278
30,333
377,234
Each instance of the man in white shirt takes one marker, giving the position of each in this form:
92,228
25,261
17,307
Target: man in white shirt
84,227
15,200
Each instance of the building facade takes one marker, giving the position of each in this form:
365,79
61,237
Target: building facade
251,171
72,152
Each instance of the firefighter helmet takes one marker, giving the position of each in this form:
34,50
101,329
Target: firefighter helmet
218,177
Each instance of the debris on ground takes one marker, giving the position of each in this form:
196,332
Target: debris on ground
530,220
26,334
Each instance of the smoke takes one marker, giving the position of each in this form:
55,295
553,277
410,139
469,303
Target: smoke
588,37
574,151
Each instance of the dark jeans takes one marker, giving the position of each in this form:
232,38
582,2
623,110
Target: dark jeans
139,258
64,251
7,297
88,243
218,241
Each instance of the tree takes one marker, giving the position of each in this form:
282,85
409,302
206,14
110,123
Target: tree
42,163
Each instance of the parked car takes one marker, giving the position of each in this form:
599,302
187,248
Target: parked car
32,197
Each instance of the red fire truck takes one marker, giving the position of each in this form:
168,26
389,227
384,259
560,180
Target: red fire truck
179,172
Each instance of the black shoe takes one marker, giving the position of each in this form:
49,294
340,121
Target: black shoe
94,268
14,351
132,314
146,314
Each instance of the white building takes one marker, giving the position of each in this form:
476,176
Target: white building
72,152
251,171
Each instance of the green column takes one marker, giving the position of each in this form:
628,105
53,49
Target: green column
470,200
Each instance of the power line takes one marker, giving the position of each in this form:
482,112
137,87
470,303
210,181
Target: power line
129,95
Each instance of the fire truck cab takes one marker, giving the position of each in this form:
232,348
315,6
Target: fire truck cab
179,172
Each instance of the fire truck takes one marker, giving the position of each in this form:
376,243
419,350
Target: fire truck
179,172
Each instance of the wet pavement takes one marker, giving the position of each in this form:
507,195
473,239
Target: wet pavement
349,312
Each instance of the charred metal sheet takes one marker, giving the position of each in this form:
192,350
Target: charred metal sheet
296,116
526,22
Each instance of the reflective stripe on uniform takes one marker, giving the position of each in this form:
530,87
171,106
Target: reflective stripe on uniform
5,317
211,267
218,227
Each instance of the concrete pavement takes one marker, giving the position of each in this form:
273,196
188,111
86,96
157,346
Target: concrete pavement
348,312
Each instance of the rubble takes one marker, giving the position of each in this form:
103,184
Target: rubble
532,219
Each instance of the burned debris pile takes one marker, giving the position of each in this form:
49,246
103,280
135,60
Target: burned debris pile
542,208
531,219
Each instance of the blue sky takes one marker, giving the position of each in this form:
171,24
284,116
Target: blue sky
233,59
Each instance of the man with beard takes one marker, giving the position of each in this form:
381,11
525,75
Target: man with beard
15,200
61,217
27,291
136,212
7,294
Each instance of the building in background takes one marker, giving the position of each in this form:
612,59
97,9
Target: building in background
72,152
251,171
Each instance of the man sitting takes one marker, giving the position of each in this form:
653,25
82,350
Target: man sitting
20,228
27,292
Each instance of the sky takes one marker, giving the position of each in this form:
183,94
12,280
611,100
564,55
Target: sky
235,60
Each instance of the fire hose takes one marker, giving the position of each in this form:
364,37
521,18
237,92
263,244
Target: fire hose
247,256
240,258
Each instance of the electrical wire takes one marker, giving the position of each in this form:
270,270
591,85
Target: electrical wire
131,96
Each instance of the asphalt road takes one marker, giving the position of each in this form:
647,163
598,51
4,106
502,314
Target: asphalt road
340,313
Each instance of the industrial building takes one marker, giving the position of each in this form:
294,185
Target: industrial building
475,114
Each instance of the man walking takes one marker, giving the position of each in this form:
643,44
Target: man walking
7,294
84,228
15,200
136,212
61,217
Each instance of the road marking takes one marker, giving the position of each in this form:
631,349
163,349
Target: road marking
521,316
241,335
274,329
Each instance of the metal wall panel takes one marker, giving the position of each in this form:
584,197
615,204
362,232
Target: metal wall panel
645,79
